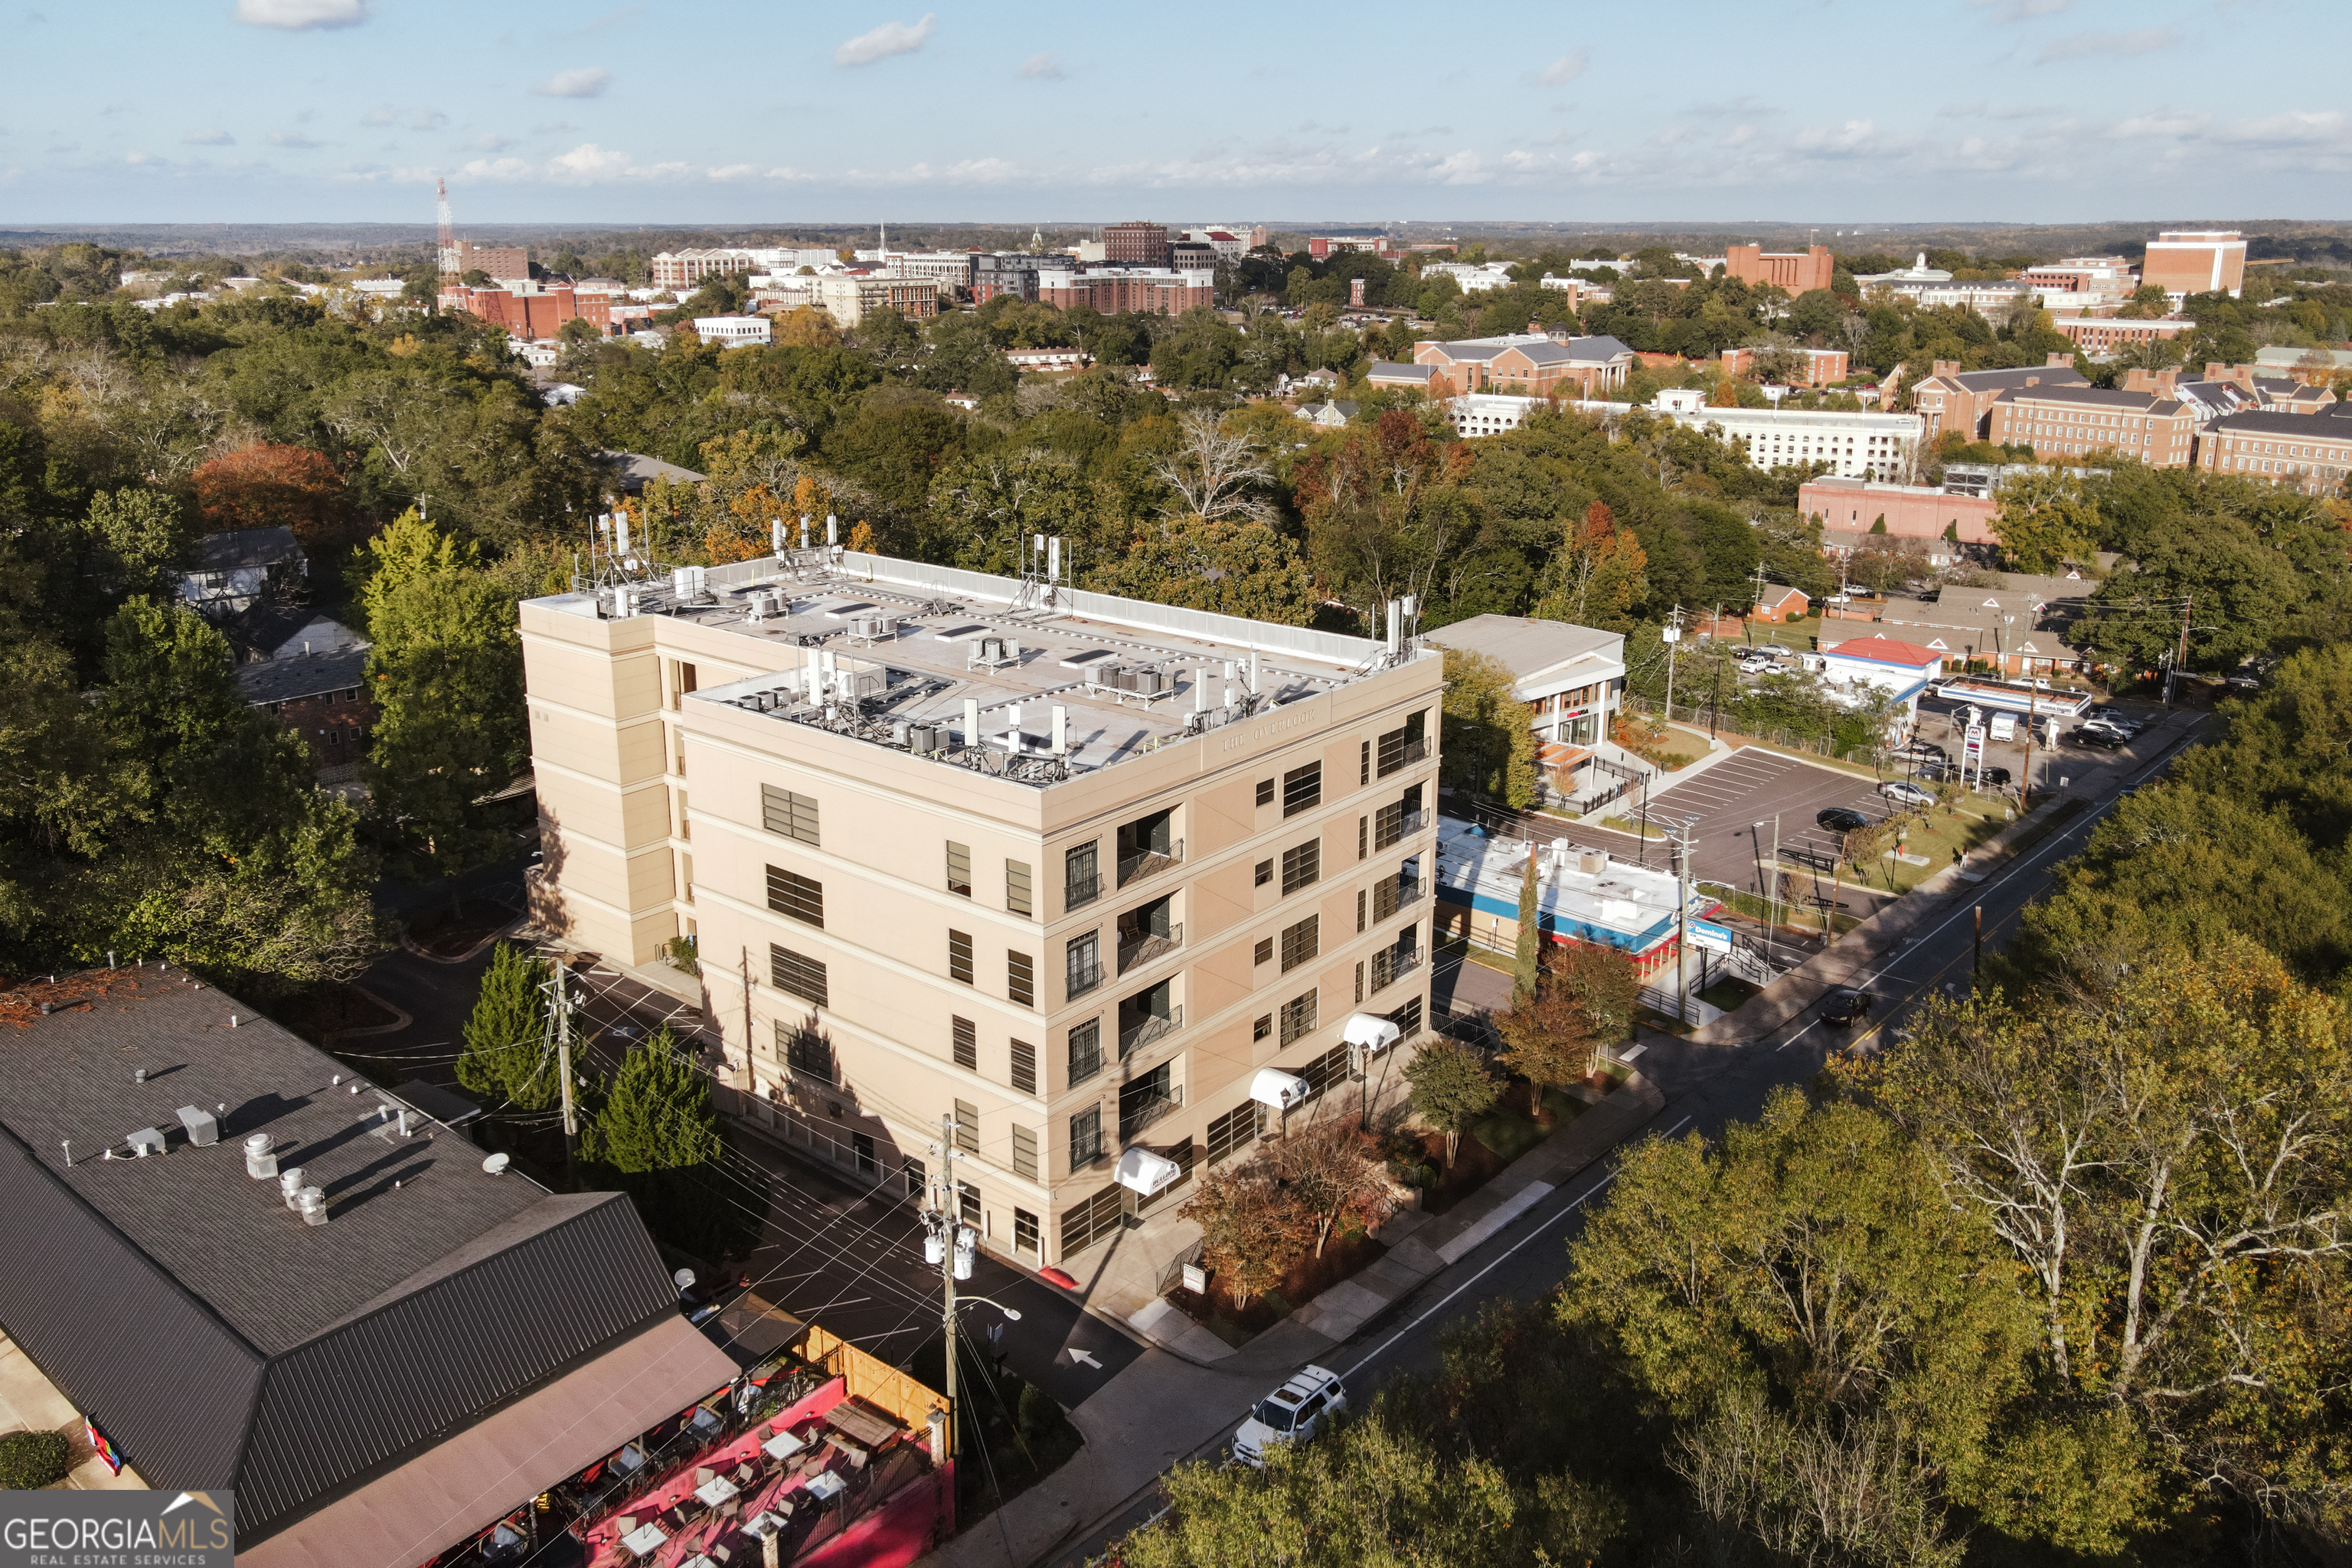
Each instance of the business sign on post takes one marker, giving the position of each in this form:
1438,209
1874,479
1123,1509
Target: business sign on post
1972,746
117,1530
1713,938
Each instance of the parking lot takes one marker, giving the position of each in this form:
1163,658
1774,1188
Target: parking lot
1754,786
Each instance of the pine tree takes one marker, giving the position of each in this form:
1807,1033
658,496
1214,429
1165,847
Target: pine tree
658,1115
505,1059
1529,969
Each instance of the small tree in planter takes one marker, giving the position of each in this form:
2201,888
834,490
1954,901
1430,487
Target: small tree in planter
1333,1172
1250,1230
1452,1088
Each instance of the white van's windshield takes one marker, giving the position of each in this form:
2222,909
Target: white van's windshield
1274,1414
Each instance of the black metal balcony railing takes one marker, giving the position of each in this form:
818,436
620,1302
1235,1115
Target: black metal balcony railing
1083,977
1143,949
1081,890
1083,1065
1134,1036
1397,756
1395,826
1134,1119
1148,863
1392,964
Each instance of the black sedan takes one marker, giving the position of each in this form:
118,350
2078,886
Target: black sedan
1840,819
1845,1007
2104,739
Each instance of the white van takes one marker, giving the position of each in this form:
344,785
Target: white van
2004,727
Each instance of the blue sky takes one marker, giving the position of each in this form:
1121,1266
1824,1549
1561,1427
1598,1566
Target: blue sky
1830,111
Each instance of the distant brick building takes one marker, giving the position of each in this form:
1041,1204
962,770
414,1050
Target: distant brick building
1526,363
2196,262
1147,291
492,261
1824,367
1911,511
532,312
2100,334
1953,399
1136,243
315,683
1794,270
2309,452
2069,421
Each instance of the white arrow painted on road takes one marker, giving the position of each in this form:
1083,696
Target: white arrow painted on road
1077,1356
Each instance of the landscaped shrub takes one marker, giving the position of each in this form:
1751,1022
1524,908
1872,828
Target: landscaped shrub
31,1461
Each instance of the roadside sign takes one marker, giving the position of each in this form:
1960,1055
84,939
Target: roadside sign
1713,937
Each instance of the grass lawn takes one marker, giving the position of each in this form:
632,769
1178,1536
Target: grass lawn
1935,834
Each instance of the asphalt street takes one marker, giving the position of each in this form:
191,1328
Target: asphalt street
1707,1086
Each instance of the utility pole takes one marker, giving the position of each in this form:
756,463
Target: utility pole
1772,869
948,1242
1681,919
2186,604
1976,965
559,1017
1672,632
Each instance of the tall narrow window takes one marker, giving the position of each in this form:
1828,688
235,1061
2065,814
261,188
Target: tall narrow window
967,1127
788,814
1081,877
1364,763
1085,1138
1086,1051
1301,943
1302,866
1024,1152
1297,1017
959,956
1020,978
1024,1067
1016,889
959,869
967,1044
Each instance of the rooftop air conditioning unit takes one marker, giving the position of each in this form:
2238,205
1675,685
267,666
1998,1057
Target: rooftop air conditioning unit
203,1127
1592,862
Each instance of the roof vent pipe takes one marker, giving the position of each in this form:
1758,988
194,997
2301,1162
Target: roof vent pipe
1255,673
289,1182
139,1075
259,1163
832,530
970,722
805,528
403,1121
312,1205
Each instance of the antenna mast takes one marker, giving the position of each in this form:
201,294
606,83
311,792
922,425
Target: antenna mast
448,234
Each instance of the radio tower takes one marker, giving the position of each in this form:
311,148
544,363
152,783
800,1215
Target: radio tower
448,234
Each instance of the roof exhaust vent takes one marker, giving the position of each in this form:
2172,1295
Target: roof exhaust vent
312,1205
139,1075
204,1127
146,1142
289,1182
259,1163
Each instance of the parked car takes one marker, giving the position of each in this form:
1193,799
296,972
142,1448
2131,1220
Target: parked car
1996,778
1925,751
1935,772
1758,664
2105,739
1902,793
1290,1414
2241,681
1840,819
1845,1007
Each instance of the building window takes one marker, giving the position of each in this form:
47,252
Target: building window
798,975
1301,942
1359,911
797,897
1364,763
1265,792
1264,873
1302,867
1085,1138
1264,950
1403,747
917,1178
1024,1152
1298,1018
959,956
967,1128
1086,1051
1407,1019
1363,836
1016,889
1360,982
1233,1132
1020,978
1302,789
1025,1234
959,869
1081,879
1024,1067
1261,1027
788,814
967,1043
806,1052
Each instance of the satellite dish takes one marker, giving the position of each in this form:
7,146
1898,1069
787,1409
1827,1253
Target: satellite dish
496,1164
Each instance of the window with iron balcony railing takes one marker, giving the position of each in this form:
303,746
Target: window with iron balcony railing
1391,894
1393,964
1395,824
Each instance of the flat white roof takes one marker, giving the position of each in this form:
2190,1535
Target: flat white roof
1619,904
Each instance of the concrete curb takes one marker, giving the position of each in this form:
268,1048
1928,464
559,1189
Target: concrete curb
401,1020
467,956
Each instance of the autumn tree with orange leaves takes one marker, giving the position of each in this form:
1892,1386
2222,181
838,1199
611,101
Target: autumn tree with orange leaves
270,486
1597,576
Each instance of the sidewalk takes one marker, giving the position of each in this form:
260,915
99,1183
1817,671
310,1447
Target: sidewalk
1166,1405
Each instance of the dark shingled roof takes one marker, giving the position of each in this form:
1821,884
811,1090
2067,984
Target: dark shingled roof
244,548
2303,426
301,675
221,1341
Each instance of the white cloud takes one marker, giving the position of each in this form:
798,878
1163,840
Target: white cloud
1043,67
2296,128
588,81
1566,68
2160,122
299,14
209,138
2022,10
427,120
2083,46
290,138
381,114
889,38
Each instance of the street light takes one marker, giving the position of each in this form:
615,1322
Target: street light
1010,1314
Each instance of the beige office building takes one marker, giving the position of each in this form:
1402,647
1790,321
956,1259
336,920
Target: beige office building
1070,869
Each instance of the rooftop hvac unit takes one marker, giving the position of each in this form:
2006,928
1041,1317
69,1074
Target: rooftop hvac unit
1592,862
687,584
146,1142
927,738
